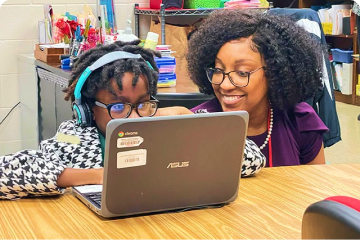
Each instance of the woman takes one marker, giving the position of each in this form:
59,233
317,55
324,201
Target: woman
268,66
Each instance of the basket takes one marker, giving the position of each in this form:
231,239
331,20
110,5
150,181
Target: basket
195,4
342,56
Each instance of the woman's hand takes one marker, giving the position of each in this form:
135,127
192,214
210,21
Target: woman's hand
75,177
171,111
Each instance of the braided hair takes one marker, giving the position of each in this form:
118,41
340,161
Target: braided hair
101,78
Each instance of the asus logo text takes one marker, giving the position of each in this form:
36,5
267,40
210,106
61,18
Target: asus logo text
178,164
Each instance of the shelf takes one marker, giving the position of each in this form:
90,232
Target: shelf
340,36
357,100
179,12
343,98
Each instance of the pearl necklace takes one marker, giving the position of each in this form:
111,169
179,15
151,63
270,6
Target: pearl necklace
270,130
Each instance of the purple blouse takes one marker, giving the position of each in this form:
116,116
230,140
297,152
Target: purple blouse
297,134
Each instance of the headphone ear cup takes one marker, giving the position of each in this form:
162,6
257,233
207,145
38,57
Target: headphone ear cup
82,114
88,114
76,113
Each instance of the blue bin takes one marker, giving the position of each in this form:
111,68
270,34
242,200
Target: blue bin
166,65
342,56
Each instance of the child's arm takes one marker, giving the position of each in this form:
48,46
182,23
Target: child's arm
75,177
46,171
28,173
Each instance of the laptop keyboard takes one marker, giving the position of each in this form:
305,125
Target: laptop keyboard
95,198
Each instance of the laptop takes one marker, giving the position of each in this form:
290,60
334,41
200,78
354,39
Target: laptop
159,164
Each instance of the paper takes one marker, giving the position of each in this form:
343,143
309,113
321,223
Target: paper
72,139
44,37
134,158
339,75
89,188
324,15
58,45
129,142
336,17
347,70
338,24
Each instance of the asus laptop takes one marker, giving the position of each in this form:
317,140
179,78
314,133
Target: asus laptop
160,164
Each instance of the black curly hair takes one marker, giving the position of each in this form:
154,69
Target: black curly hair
293,59
100,78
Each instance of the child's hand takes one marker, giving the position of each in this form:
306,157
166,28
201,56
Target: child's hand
99,173
171,111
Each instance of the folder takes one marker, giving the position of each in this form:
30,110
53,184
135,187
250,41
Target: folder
349,21
336,17
347,70
339,75
43,33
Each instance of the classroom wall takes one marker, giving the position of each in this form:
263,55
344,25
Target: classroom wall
18,35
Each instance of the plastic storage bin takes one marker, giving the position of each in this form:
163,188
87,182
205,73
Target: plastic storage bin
342,56
166,65
194,4
167,80
169,4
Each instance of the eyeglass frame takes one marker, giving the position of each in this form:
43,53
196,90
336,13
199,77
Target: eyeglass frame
228,74
132,106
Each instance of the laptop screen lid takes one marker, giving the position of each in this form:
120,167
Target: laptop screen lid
166,163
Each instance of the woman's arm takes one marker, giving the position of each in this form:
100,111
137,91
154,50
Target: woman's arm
320,158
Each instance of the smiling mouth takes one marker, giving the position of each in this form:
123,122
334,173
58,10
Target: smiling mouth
232,99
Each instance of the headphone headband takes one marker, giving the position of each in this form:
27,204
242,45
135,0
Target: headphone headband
107,58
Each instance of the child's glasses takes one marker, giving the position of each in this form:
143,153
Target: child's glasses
123,110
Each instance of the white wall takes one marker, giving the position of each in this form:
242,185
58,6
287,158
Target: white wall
18,35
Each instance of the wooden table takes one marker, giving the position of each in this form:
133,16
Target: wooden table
269,205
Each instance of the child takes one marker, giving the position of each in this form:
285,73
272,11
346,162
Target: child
113,81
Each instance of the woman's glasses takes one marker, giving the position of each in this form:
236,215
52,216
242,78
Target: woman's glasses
237,78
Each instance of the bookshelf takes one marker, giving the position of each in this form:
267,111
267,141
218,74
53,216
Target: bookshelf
336,41
347,42
301,3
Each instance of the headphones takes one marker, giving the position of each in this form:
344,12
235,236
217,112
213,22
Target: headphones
81,110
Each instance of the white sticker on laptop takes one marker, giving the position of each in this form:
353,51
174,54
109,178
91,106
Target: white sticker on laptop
89,188
133,158
129,142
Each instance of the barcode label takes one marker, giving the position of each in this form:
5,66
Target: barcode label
129,142
133,158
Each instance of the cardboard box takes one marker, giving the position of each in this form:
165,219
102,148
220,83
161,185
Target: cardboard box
48,55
